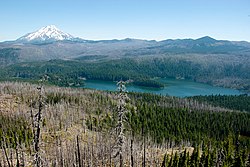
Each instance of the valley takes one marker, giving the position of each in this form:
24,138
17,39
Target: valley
216,70
207,60
67,101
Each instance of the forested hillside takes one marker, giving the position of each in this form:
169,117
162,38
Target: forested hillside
241,103
67,62
216,70
8,56
81,127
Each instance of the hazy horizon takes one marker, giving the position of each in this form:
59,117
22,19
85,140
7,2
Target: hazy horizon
150,20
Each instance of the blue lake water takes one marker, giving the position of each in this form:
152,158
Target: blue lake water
173,87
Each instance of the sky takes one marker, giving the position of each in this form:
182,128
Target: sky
119,19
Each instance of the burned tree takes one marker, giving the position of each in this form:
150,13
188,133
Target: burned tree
121,109
37,128
36,123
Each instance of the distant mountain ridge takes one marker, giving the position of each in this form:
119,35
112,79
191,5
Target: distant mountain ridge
52,34
50,43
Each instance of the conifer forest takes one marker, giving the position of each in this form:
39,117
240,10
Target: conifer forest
45,125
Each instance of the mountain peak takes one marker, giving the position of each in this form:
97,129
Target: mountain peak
51,26
48,33
206,38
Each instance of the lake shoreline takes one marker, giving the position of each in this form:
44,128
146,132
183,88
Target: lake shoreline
175,87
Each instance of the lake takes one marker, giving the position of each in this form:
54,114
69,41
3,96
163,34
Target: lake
173,87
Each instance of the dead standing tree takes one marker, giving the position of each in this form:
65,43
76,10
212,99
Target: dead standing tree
121,109
36,123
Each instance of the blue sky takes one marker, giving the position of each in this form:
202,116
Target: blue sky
117,19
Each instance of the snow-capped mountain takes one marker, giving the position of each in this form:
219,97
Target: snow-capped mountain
46,34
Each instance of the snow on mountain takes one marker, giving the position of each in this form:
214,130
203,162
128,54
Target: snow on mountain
48,33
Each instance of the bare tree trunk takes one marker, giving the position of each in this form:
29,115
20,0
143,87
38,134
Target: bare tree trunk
110,155
17,157
144,147
16,148
59,153
5,152
38,129
32,119
78,151
122,97
22,159
84,156
164,161
131,151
